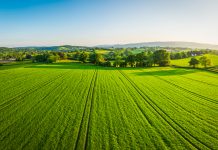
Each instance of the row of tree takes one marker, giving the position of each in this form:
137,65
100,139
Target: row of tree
116,57
187,54
24,55
144,59
204,61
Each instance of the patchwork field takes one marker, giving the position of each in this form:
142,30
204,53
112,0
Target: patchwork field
76,106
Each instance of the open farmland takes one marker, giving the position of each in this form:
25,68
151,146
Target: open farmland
185,62
76,106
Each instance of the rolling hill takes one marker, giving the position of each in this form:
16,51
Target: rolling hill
130,45
164,44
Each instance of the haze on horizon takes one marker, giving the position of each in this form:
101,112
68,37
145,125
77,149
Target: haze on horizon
97,22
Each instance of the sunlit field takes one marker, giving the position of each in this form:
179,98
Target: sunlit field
82,106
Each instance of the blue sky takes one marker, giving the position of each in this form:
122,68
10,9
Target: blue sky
94,22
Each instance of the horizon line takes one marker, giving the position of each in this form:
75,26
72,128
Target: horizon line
98,45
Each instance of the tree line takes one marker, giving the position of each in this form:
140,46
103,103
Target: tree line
204,61
118,57
187,54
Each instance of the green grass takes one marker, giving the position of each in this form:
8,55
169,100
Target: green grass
81,106
137,51
15,64
185,62
102,51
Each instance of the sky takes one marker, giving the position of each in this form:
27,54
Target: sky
97,22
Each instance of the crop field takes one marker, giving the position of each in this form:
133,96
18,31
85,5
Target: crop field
82,106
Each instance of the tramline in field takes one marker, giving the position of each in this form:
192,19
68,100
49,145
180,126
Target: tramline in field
82,106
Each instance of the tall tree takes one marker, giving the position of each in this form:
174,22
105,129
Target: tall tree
162,57
83,57
131,60
205,61
118,60
193,62
76,55
97,58
141,58
92,57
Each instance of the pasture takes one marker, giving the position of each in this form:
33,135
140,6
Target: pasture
82,106
185,62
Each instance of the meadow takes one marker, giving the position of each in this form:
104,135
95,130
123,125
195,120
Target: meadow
184,62
82,106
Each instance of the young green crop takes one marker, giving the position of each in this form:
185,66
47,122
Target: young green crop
81,106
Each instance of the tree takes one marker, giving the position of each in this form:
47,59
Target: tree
178,56
76,55
83,57
110,55
46,58
131,60
28,56
97,58
19,57
118,60
53,58
149,59
127,52
193,62
62,55
106,64
41,58
141,59
123,64
92,58
205,61
161,57
184,54
172,55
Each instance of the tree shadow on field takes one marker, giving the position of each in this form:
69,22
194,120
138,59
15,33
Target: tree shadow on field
158,71
171,72
69,66
75,65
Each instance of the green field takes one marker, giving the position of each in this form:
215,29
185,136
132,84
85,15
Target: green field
185,62
81,106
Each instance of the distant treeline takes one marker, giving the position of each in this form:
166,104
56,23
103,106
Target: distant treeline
129,57
191,53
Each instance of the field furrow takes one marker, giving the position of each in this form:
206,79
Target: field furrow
25,93
177,127
83,106
82,136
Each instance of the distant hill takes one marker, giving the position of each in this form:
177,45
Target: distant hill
53,48
130,45
164,44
